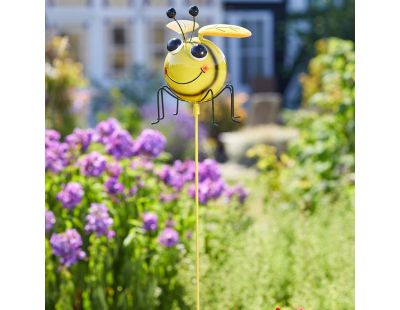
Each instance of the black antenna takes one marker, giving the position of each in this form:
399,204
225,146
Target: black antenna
171,13
194,11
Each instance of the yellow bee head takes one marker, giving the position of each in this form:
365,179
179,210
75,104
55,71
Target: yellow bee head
194,66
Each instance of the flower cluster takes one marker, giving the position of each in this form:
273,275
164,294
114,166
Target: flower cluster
208,190
56,152
98,221
211,185
71,195
105,129
114,168
92,164
50,220
150,221
113,187
67,246
168,237
236,191
117,143
171,177
120,144
119,167
150,143
80,138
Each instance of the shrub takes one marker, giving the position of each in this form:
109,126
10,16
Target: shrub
321,160
63,79
119,221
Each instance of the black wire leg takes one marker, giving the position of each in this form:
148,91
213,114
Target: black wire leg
177,107
169,91
162,102
232,91
212,108
233,117
158,108
160,94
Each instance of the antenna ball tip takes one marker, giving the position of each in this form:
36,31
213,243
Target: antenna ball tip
194,11
171,13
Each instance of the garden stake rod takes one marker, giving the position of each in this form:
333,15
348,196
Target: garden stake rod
195,70
196,112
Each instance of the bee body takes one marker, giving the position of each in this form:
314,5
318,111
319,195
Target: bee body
195,69
190,78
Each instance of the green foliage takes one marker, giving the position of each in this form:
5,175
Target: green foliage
63,76
288,259
126,112
322,19
322,157
130,270
300,251
140,85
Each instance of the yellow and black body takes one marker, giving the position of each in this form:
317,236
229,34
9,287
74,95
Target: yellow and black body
195,68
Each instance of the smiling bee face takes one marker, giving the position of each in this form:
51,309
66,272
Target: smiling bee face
192,68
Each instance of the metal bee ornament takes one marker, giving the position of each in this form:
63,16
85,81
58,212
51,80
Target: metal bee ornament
195,69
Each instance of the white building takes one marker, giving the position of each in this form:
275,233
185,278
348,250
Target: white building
108,36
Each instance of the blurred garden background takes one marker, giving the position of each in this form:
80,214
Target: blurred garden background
276,191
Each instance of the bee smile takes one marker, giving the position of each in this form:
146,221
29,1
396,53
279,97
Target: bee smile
201,72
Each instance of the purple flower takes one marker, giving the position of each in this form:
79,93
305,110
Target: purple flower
168,237
92,164
114,169
150,221
170,177
236,191
80,138
208,169
56,156
208,190
150,143
186,169
113,187
70,195
51,136
67,246
98,221
50,220
168,197
142,163
105,129
120,144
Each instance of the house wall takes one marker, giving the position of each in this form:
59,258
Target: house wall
110,35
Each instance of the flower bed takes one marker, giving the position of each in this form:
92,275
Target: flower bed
119,221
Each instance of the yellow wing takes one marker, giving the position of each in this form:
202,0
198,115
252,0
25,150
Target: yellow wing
187,26
224,30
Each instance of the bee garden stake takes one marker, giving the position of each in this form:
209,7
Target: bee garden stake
195,70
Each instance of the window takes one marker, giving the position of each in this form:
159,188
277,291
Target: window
251,59
119,49
118,3
70,2
158,39
161,3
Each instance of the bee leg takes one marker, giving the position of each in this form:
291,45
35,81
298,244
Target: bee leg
169,92
232,91
158,108
162,102
212,107
177,107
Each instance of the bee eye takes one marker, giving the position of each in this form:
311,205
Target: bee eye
174,45
199,52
